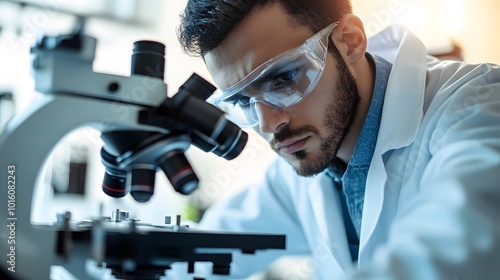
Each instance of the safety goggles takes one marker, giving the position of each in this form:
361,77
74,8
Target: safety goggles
280,82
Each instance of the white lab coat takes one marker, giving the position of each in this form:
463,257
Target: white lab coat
432,201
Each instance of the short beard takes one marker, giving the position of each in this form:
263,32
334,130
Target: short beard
338,119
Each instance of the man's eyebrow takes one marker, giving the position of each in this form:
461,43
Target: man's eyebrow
234,97
280,69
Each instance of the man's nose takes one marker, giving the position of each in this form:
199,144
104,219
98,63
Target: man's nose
271,118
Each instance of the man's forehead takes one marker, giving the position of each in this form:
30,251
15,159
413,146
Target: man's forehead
227,68
264,34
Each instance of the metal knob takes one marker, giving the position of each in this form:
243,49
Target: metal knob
118,216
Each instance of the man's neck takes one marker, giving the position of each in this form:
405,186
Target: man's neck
364,72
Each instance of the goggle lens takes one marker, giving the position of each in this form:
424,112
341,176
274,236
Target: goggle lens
280,82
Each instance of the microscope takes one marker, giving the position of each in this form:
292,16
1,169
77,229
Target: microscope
143,132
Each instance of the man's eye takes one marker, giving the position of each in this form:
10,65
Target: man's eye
241,101
283,80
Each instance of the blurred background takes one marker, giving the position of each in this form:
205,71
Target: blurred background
456,29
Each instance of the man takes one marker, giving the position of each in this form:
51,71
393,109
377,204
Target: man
389,162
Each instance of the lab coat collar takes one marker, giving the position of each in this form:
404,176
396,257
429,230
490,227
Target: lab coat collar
401,115
403,104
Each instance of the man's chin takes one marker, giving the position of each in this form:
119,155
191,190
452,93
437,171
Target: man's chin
304,166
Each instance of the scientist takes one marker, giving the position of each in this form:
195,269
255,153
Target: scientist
389,162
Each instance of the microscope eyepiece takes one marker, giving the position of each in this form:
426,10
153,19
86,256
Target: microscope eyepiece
148,59
212,132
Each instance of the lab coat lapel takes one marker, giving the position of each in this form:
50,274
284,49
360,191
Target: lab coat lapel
327,218
401,116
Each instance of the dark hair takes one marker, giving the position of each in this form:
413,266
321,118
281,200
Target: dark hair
206,23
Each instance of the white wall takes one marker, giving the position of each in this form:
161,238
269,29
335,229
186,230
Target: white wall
471,24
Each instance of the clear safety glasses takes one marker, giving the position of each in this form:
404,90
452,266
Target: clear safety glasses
279,82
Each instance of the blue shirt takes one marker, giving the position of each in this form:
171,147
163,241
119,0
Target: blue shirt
351,180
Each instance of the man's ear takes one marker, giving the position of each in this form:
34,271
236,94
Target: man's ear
350,38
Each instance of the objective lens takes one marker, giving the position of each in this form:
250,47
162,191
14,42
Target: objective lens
142,184
179,172
114,185
114,181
